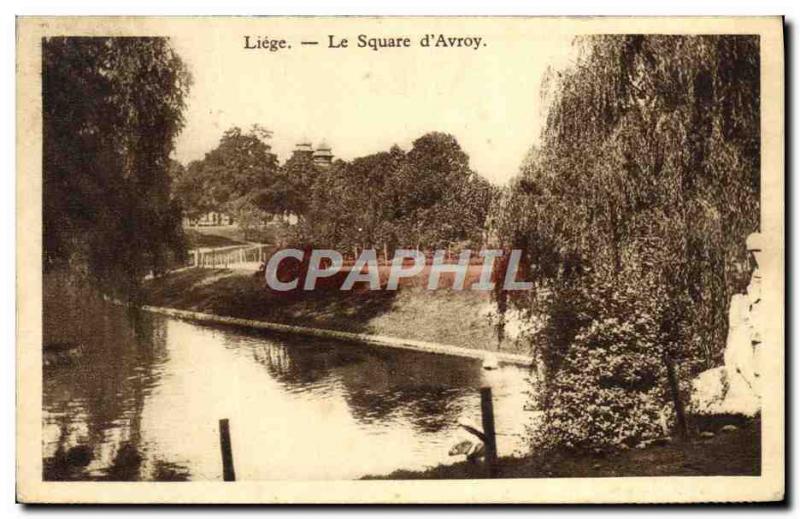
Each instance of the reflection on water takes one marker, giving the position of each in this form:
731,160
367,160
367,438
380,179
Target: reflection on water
144,401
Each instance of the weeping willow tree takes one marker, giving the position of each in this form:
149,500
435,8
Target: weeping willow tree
112,108
633,211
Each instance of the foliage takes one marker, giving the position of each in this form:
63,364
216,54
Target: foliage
648,169
235,176
602,367
296,179
427,196
111,110
605,397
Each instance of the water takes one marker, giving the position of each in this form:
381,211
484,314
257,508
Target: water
144,401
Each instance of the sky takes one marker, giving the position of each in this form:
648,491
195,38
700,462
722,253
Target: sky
362,101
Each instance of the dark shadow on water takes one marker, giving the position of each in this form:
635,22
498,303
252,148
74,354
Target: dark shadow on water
376,383
103,390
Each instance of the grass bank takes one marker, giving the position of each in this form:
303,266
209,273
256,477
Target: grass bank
199,237
727,453
444,316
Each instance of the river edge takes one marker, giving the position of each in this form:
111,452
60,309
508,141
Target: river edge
372,340
441,322
726,453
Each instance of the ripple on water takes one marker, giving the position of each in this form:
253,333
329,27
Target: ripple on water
147,402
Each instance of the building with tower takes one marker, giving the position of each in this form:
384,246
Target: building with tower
323,156
303,149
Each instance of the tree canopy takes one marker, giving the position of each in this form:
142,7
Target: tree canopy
235,175
649,160
427,196
640,195
111,110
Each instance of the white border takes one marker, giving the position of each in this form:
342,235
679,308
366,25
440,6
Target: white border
7,126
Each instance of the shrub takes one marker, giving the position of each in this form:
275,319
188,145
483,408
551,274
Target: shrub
609,391
602,379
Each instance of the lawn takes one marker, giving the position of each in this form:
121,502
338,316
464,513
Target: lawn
727,453
413,312
198,237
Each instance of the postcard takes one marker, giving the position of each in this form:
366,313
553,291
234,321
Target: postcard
400,260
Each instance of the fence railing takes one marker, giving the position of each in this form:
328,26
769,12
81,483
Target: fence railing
227,257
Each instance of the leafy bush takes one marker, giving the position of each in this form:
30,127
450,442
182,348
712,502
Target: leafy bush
609,391
602,364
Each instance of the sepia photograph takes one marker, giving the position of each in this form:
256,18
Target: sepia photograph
478,259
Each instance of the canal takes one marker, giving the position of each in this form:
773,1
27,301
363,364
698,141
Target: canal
144,399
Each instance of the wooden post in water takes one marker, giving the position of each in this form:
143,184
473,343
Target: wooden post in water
490,446
228,473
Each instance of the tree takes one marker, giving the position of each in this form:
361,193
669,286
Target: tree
111,110
237,177
648,169
428,197
443,200
187,188
294,185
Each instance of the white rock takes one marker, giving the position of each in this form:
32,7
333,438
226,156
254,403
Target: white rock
739,351
711,394
732,388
